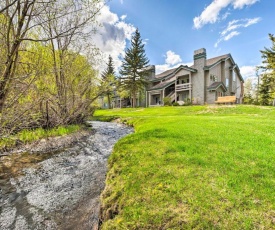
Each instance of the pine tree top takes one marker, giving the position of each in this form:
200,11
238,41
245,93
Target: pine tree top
110,70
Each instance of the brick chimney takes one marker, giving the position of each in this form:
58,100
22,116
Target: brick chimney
199,58
199,79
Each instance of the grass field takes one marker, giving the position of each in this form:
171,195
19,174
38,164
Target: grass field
27,136
197,167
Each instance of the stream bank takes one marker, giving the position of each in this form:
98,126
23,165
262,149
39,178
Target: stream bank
62,191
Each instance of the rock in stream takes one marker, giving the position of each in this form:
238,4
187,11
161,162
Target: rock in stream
61,192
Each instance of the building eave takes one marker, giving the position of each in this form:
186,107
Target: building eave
174,72
217,86
163,87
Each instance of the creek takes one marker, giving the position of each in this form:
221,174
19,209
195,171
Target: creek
58,190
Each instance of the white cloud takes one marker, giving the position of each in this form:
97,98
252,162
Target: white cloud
231,30
211,13
225,15
172,60
239,4
111,37
145,41
248,71
123,17
231,35
235,24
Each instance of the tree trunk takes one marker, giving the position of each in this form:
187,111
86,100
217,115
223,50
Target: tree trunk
109,101
134,99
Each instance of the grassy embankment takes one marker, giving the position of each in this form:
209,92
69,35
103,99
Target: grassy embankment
198,167
27,136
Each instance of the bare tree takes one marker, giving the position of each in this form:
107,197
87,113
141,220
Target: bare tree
36,21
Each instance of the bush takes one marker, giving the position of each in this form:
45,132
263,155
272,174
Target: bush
176,104
167,101
187,101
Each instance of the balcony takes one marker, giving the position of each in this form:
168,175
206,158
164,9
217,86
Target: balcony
183,87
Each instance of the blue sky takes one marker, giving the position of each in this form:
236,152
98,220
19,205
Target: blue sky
173,29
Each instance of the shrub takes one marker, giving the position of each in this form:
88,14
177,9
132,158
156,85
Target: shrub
187,101
176,104
167,101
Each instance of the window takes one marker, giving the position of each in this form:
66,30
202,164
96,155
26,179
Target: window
234,75
219,94
213,78
227,83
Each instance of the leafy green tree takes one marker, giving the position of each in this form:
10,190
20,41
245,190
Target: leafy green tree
133,70
266,90
267,85
108,80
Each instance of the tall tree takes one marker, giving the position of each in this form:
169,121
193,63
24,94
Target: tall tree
108,80
46,66
134,65
266,89
267,85
21,19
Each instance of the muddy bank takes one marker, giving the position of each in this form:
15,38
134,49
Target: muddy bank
61,192
49,144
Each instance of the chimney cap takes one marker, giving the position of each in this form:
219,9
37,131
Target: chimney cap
200,51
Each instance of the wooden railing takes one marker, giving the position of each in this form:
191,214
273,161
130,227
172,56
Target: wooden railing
182,87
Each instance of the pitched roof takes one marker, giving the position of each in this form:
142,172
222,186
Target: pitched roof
216,85
173,71
165,73
164,84
209,64
214,60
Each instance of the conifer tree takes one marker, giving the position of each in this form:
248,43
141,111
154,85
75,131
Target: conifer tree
133,70
108,78
266,89
267,85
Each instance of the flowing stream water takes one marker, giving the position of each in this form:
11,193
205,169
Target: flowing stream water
58,190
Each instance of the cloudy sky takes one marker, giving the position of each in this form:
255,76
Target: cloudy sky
173,29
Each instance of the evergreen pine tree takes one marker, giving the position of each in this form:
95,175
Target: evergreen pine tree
266,89
267,85
108,78
109,69
133,70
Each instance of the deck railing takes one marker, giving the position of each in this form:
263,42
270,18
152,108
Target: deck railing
183,87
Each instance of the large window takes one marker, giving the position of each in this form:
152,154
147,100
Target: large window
227,82
234,75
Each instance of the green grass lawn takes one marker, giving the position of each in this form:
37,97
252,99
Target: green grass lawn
197,167
27,136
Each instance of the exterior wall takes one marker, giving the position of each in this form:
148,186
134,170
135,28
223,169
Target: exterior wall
198,83
182,72
211,97
155,98
223,68
182,96
239,88
183,79
216,71
228,75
